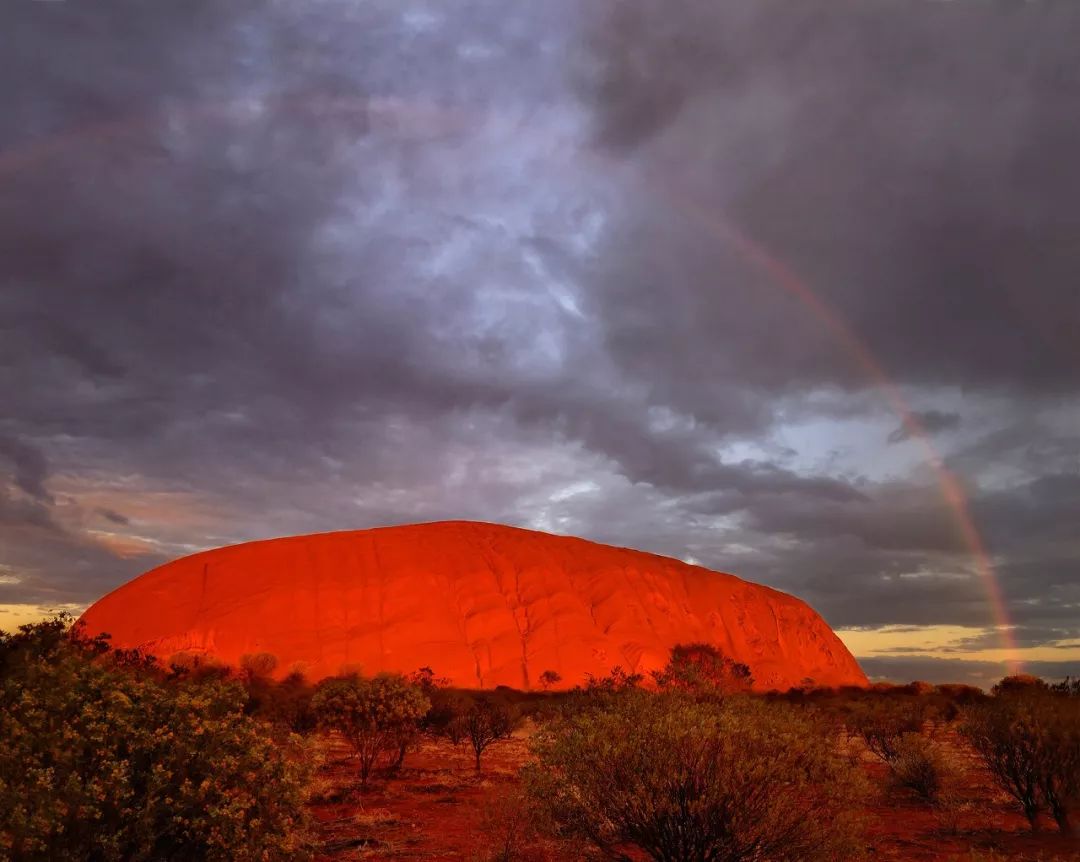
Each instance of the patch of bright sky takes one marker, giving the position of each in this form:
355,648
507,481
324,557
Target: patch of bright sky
15,615
815,435
946,641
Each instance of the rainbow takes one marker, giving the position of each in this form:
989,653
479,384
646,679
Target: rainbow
784,277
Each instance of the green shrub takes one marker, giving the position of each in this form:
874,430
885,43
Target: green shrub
100,759
378,716
684,781
702,670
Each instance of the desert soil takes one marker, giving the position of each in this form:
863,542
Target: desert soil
438,808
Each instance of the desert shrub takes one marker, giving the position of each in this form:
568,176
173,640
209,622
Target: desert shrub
617,680
425,680
684,781
891,727
482,723
258,665
511,830
919,765
549,678
285,704
441,719
598,692
960,693
882,720
1070,687
197,667
1028,736
100,761
1019,683
701,669
378,716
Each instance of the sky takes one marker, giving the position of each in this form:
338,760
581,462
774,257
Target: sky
787,290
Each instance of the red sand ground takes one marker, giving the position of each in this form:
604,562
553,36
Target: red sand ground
482,604
437,808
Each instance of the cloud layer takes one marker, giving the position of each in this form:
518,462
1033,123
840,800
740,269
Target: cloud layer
270,268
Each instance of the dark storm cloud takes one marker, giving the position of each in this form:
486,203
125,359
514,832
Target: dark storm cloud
911,160
114,517
269,267
927,421
29,467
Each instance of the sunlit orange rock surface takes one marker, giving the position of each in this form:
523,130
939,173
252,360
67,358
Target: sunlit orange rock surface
482,604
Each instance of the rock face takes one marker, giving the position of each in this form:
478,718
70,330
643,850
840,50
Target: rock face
484,605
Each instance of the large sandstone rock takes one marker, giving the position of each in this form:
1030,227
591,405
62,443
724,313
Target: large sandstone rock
484,605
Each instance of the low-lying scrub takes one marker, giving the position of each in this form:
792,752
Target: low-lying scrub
1028,737
682,780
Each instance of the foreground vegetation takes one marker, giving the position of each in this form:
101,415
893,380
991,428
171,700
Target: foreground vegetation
107,754
104,757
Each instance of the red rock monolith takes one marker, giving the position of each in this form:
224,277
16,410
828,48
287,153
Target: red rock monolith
481,604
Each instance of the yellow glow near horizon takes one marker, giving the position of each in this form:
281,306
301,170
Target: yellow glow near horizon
945,642
15,615
940,642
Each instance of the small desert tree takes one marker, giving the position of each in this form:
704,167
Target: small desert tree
686,781
701,669
1028,736
549,678
377,716
480,724
1059,773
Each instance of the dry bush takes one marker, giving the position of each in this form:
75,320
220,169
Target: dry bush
891,727
1028,736
510,830
684,781
918,764
882,721
482,724
258,665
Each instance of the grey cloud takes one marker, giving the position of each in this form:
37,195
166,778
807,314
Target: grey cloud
981,673
114,517
309,267
30,467
927,421
915,198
